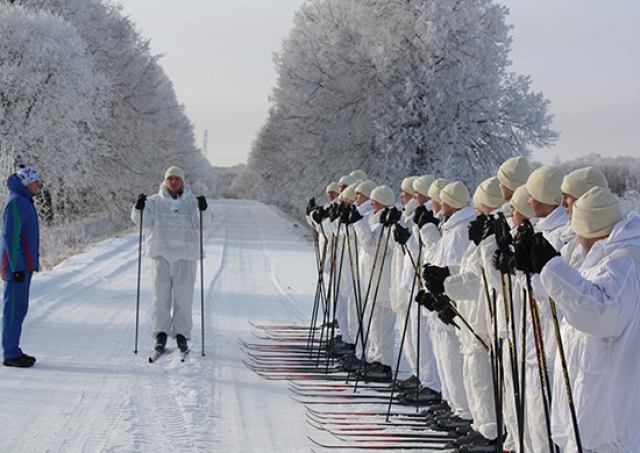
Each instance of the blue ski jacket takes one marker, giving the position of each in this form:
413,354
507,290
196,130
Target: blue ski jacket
20,231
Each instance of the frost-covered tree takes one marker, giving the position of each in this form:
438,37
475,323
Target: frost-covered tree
396,87
53,103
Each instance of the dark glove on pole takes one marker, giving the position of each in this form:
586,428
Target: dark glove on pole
418,212
541,253
319,214
202,203
489,227
390,216
141,201
401,234
476,229
354,215
311,205
434,277
447,315
522,244
427,217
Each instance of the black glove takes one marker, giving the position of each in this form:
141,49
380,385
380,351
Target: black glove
141,201
476,229
318,215
18,276
427,217
447,315
522,244
345,212
418,212
401,234
311,205
504,261
541,253
354,215
334,211
489,228
503,232
434,277
202,203
390,216
426,300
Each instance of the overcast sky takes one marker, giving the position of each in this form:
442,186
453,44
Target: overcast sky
583,55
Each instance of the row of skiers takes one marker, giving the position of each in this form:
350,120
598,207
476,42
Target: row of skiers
517,308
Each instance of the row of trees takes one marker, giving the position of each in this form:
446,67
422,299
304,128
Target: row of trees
393,87
83,100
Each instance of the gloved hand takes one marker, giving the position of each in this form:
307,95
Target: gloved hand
401,234
334,211
354,215
522,244
503,232
489,227
434,277
18,276
141,201
390,216
418,212
447,315
345,212
319,214
476,229
541,253
504,261
427,217
202,203
311,205
426,300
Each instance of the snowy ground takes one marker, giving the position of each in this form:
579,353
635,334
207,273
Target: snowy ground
89,392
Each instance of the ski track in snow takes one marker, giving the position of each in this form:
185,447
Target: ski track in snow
89,392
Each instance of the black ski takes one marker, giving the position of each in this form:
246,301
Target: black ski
388,444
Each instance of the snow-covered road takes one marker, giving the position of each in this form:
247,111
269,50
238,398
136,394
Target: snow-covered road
89,392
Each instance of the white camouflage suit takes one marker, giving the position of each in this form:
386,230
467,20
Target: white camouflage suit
173,242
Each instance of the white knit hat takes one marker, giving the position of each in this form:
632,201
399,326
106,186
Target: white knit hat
422,184
514,172
27,175
383,195
347,180
544,185
333,187
580,181
349,193
488,193
596,213
365,188
436,187
520,201
359,175
407,184
455,194
174,171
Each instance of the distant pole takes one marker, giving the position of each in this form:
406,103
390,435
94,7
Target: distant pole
205,142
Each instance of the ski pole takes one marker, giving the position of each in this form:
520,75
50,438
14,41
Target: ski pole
135,348
201,285
565,373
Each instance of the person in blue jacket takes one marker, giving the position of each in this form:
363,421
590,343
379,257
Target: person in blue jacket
20,245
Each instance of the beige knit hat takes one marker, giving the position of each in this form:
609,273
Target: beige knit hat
436,187
174,171
596,213
488,193
455,194
333,187
359,175
544,185
580,181
519,200
407,184
349,193
347,180
422,183
383,195
514,172
365,188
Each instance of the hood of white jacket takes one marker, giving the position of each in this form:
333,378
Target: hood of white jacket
625,235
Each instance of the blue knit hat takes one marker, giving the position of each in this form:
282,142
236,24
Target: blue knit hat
27,175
